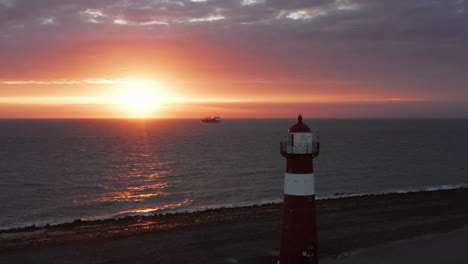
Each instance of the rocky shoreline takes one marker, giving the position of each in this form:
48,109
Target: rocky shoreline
237,235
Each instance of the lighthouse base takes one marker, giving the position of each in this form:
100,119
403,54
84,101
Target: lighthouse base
298,231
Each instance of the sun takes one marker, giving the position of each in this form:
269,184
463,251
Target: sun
140,102
138,98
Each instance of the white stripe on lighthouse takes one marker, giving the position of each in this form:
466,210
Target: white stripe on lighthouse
299,184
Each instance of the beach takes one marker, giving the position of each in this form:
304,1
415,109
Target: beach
347,228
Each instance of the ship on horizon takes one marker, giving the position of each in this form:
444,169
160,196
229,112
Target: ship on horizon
215,119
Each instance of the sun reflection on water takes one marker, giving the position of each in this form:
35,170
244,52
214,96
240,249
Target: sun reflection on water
144,181
135,193
160,208
169,206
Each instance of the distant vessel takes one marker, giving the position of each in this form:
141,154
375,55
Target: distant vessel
215,119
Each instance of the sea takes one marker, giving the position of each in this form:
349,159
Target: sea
58,170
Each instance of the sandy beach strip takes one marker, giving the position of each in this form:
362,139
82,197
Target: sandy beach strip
242,235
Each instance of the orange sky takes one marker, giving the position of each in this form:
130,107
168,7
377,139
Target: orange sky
185,80
200,58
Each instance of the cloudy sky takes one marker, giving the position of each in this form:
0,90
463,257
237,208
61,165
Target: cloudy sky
235,58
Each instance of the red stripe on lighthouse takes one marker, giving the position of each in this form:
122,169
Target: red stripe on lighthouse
298,230
299,164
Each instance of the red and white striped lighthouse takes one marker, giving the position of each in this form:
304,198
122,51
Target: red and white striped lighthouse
298,230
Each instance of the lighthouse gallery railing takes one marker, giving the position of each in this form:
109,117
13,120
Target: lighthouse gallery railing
286,148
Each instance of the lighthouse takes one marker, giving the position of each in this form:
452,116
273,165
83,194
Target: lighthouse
299,243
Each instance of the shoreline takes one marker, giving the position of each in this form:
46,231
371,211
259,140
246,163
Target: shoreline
112,228
140,217
345,225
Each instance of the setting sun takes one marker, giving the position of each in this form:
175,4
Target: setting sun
140,101
137,98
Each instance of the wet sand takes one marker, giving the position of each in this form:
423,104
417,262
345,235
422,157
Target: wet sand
241,235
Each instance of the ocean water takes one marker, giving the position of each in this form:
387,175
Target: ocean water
54,171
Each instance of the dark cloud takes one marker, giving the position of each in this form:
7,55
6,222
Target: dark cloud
297,4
